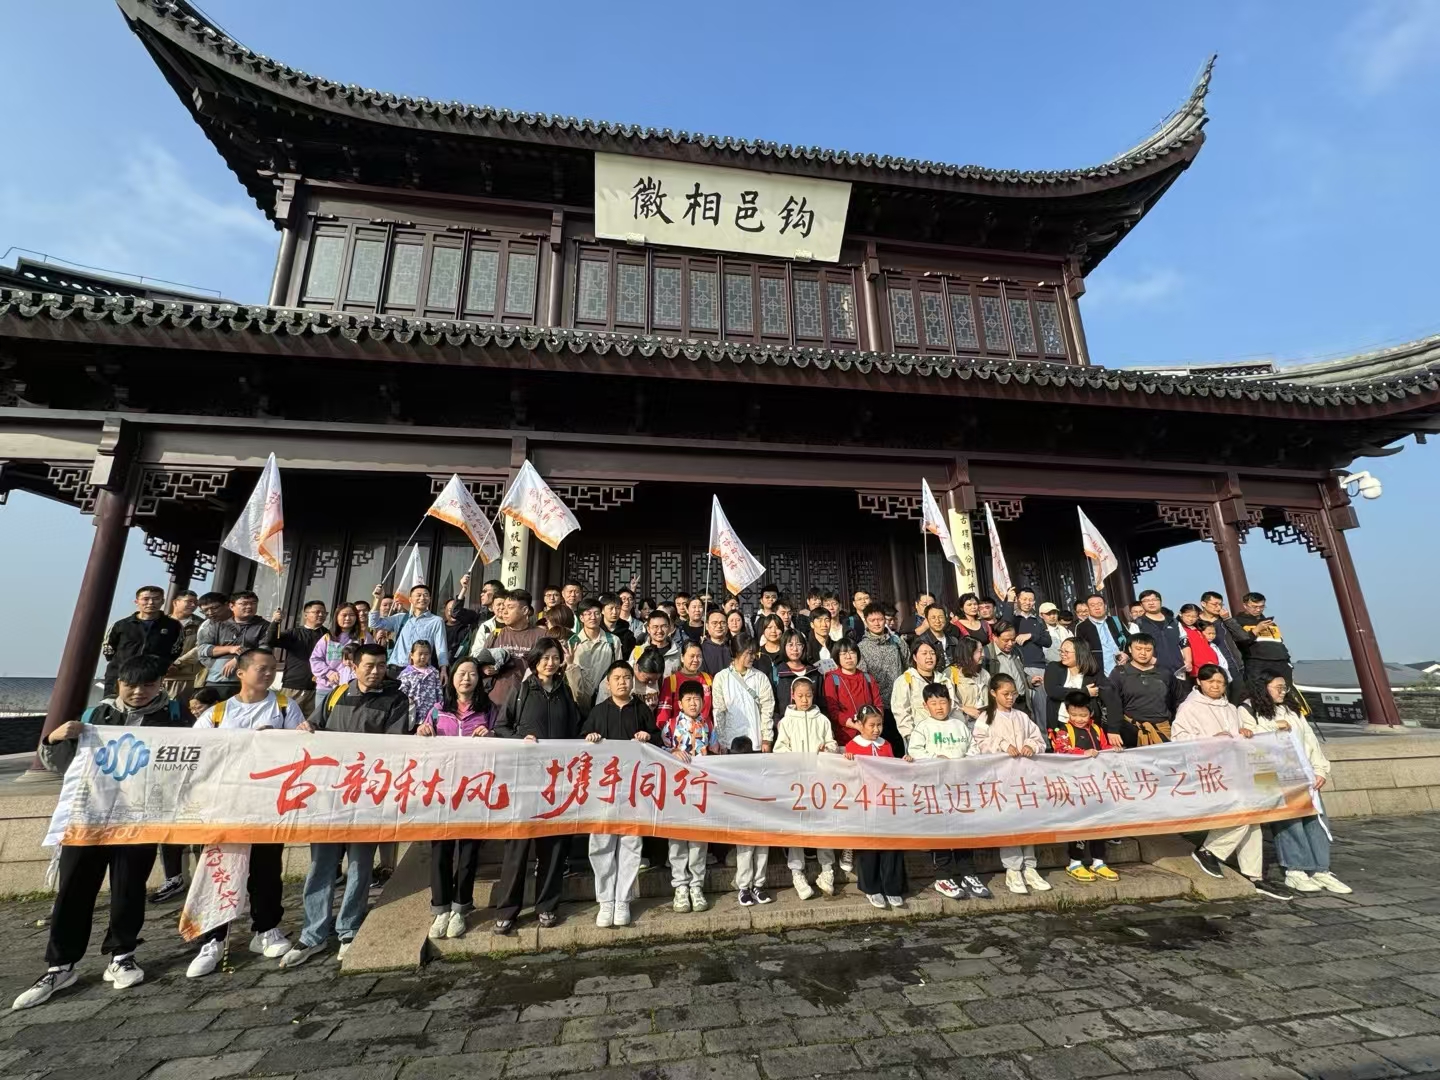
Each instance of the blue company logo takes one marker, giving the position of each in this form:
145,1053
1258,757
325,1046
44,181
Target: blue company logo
122,758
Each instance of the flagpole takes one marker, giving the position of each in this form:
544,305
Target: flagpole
495,531
925,546
709,559
385,576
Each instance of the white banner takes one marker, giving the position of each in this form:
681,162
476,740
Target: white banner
187,786
531,502
999,572
741,569
1102,560
678,204
932,522
457,506
259,534
218,891
411,576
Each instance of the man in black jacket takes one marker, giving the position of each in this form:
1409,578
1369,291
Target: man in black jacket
371,704
940,634
1172,647
1032,636
139,701
1260,640
148,632
1105,634
1148,694
299,642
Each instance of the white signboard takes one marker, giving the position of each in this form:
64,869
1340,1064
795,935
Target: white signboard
672,204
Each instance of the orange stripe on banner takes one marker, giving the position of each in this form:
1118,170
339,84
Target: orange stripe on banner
1297,804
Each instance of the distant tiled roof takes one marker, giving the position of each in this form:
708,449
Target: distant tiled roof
198,33
1340,675
1395,387
1367,367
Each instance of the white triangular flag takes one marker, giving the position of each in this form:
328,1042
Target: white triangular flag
456,505
934,522
411,576
218,894
531,502
999,572
741,569
259,535
1102,560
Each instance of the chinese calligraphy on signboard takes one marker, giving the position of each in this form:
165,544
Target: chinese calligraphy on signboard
966,580
646,200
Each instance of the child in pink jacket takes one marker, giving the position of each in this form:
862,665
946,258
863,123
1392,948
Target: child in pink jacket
1003,729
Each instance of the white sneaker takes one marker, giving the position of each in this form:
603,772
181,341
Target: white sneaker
895,901
273,943
1035,881
1015,882
299,954
825,881
622,913
606,916
206,960
49,984
438,925
1300,881
802,887
847,861
681,902
1330,883
697,899
876,899
124,973
455,924
344,948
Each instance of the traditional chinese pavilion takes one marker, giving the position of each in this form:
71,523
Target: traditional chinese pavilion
650,317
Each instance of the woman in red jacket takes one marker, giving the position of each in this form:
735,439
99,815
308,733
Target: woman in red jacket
1202,649
847,689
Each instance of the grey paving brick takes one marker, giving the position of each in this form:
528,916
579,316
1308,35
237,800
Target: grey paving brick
901,1049
1420,1053
996,1039
208,1068
1156,1051
987,1068
712,1015
807,1061
613,984
379,1027
1320,1031
195,1044
513,1036
1341,1063
1007,1011
1075,1063
564,1008
175,1023
454,1067
1146,1019
1075,1028
933,993
605,1026
1244,1069
1252,1041
666,1046
749,1039
844,1028
1395,1022
555,1060
945,1016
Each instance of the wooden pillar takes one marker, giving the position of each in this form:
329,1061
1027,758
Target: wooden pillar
92,610
553,312
182,572
1359,631
1227,549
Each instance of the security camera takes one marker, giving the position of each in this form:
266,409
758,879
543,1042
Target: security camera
1361,484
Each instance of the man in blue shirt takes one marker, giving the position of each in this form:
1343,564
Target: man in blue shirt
417,624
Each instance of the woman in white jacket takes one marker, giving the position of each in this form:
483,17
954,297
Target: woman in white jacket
743,700
1302,845
1004,729
1208,714
804,729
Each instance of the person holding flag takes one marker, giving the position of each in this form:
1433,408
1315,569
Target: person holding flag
933,523
1102,560
740,568
417,624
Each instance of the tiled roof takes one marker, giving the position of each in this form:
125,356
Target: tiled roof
1376,365
1422,379
187,24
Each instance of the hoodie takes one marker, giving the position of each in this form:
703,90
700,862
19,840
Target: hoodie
907,699
464,721
804,732
1201,717
1007,728
744,704
931,738
326,665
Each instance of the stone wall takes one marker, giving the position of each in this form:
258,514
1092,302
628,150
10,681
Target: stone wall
1383,774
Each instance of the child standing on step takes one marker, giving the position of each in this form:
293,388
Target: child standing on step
940,731
804,729
420,681
880,875
751,862
687,735
1004,729
1078,735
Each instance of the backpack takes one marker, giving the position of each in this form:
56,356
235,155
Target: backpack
217,714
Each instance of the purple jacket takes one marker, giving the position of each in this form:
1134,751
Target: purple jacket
325,663
447,723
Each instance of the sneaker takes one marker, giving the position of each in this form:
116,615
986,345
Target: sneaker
711,859
300,953
876,900
344,948
847,861
45,987
1015,882
549,920
803,888
455,925
947,888
825,881
697,899
645,864
1273,889
171,888
1035,881
747,898
272,944
682,899
504,927
124,972
605,917
895,901
761,896
1080,873
1209,863
1101,870
1300,881
622,913
206,960
1330,883
438,925
976,888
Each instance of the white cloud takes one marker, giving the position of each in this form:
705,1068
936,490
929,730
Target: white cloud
146,217
1391,38
1147,288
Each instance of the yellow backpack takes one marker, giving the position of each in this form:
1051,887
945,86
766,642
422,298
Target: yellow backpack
217,714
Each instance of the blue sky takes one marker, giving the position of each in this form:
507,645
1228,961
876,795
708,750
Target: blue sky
1305,229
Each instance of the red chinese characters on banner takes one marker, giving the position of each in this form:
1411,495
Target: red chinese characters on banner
295,791
374,780
227,894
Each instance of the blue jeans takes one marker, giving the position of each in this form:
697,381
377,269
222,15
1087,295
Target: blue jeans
1302,845
320,892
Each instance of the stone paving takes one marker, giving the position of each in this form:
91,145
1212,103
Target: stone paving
1325,987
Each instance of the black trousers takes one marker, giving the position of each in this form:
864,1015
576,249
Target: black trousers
453,864
82,871
265,889
549,875
1088,851
880,872
953,863
172,858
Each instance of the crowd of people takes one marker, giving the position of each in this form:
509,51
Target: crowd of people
1008,675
